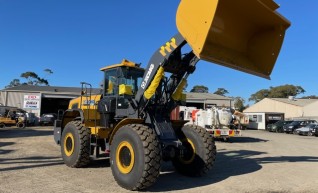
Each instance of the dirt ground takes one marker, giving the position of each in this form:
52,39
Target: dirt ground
259,161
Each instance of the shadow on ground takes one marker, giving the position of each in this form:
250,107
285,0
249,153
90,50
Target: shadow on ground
14,132
246,140
5,151
227,164
28,162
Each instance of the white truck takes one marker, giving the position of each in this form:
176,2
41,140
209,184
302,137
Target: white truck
217,121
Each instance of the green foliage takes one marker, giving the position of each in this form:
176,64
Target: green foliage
13,83
310,97
259,95
49,71
221,91
239,104
200,89
277,92
32,79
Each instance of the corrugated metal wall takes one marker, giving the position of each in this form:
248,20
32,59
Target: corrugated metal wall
268,105
1,98
15,99
311,110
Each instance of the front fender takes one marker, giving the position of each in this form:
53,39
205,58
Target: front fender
69,115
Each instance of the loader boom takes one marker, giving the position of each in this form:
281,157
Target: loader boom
243,35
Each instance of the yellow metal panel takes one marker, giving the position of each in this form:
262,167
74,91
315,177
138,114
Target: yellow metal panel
100,132
91,114
177,95
125,89
244,35
123,63
87,102
123,123
154,84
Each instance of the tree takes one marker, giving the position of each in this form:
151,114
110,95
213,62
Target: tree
239,104
283,91
221,91
32,79
259,95
49,71
13,83
310,97
200,89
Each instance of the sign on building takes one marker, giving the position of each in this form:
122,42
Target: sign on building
31,102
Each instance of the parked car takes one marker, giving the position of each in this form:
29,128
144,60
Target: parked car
278,126
307,130
291,127
30,119
269,126
47,119
315,131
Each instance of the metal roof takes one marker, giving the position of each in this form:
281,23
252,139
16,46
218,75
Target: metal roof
296,102
49,89
206,96
192,96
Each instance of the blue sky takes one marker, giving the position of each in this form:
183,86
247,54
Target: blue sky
75,38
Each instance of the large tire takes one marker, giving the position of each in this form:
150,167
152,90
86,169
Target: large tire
200,152
135,157
75,145
2,125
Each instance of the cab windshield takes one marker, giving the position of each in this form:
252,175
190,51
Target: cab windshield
127,76
132,77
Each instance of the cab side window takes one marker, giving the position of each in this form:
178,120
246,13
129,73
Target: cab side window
110,84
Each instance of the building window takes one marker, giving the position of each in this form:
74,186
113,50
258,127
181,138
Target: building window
255,118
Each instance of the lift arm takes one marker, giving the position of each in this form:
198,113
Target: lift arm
240,34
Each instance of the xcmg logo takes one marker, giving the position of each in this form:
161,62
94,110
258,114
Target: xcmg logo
144,82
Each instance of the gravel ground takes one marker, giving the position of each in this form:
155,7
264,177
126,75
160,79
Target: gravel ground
259,161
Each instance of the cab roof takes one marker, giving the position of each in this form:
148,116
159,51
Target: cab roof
124,62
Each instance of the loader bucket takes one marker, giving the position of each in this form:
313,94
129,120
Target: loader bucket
245,35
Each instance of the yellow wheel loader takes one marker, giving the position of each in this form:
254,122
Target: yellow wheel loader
130,119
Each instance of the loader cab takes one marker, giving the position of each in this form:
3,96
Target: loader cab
121,82
122,79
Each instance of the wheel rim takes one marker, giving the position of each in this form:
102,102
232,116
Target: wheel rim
190,154
125,157
69,144
20,125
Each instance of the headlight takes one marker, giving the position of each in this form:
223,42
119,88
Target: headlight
290,127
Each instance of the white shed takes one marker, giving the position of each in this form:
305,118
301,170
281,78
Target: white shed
291,107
